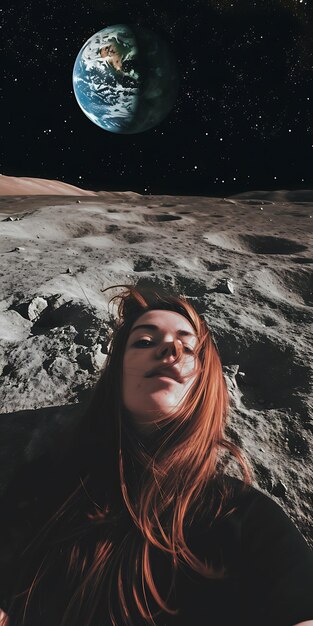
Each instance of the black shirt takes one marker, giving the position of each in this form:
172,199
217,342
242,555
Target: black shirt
270,580
269,566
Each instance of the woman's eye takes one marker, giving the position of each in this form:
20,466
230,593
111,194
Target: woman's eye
146,341
143,340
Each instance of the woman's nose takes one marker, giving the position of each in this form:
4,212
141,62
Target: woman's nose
170,347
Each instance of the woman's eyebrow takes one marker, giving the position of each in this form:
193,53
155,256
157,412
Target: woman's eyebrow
154,327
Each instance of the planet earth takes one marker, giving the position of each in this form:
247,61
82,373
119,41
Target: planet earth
125,79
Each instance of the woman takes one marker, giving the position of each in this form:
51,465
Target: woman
151,530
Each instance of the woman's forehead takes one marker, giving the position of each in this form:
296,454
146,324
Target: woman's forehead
164,319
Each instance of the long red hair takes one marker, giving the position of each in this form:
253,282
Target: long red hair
136,496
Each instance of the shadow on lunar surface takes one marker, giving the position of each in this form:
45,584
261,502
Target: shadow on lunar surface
264,476
257,202
300,283
143,264
269,322
292,287
302,260
112,228
77,314
265,244
214,267
289,312
44,433
297,445
268,377
191,286
161,218
134,237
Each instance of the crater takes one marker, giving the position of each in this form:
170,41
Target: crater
143,264
83,229
302,260
133,237
269,321
111,228
163,217
266,244
214,267
191,287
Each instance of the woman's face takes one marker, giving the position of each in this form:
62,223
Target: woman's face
152,344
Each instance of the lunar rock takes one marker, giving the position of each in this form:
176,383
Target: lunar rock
36,306
279,489
225,286
13,325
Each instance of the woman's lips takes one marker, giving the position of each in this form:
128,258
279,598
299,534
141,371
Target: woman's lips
164,378
168,372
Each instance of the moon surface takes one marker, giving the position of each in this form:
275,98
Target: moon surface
245,262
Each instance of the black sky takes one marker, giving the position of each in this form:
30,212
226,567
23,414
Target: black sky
243,118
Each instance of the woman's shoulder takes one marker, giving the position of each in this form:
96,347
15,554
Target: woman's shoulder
262,530
227,494
268,552
252,504
258,517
